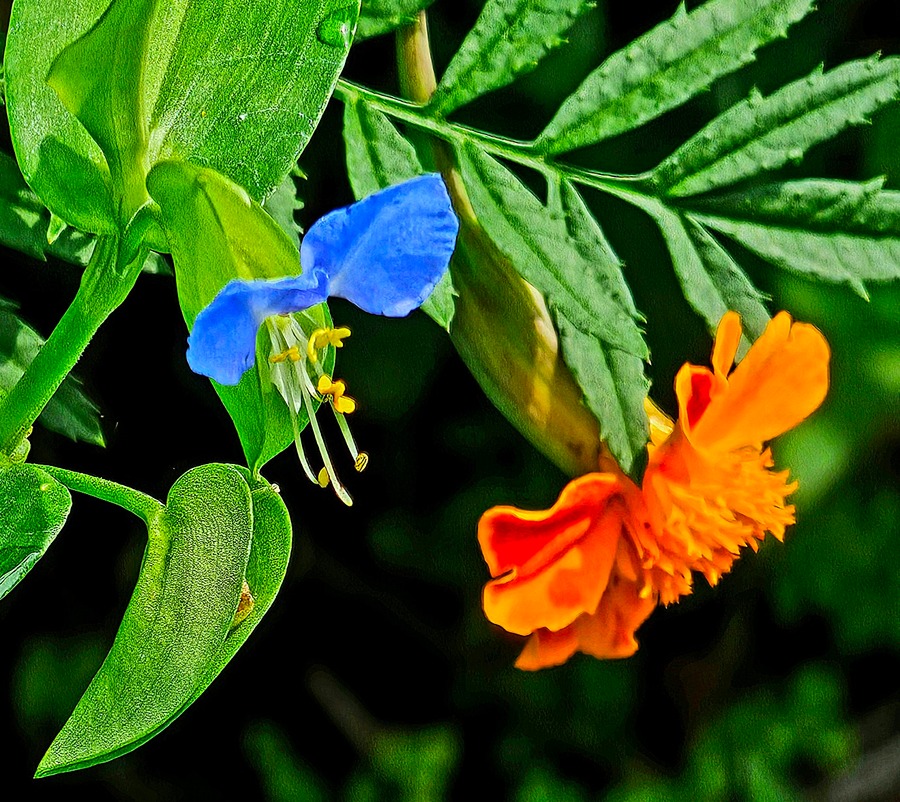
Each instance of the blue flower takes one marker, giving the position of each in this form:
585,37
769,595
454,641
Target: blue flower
385,254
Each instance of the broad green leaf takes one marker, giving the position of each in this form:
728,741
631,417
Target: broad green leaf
509,38
377,157
666,67
764,133
59,160
833,230
177,621
246,83
69,411
269,554
218,233
33,508
100,80
383,16
560,257
613,381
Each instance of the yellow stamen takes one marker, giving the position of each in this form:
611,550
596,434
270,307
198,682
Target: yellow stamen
362,460
336,389
292,353
324,337
323,478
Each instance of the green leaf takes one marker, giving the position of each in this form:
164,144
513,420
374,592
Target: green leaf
218,233
69,412
764,133
613,381
837,231
666,67
281,206
509,38
100,80
559,253
33,508
377,157
176,624
383,16
246,83
59,160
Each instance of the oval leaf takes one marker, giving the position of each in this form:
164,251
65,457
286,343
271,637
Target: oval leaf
176,623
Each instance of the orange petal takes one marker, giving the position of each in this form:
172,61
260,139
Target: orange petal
545,649
781,381
556,562
728,338
609,632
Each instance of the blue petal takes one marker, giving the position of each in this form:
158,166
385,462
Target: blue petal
387,252
222,344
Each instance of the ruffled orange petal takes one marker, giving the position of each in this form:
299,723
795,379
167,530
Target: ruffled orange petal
607,634
728,338
782,380
551,565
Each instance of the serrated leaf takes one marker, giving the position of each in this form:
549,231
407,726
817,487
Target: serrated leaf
383,16
218,233
581,296
69,412
838,231
281,206
540,247
377,157
711,281
666,67
764,133
509,38
176,623
613,381
33,508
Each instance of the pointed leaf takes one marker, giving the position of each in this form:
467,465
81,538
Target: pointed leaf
33,508
377,157
69,412
613,381
383,16
509,38
566,258
760,134
217,233
666,67
281,206
176,623
833,230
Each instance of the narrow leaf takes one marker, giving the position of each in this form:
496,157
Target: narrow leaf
176,623
69,412
837,231
613,381
666,67
509,38
563,265
33,508
383,16
764,133
218,233
377,157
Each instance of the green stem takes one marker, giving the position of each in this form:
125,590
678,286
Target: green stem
514,150
104,285
143,506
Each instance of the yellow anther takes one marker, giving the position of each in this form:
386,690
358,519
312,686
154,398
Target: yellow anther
362,460
342,403
292,353
323,337
323,478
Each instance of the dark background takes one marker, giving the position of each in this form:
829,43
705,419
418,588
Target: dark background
375,675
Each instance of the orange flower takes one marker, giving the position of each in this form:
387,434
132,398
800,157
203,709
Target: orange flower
585,574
